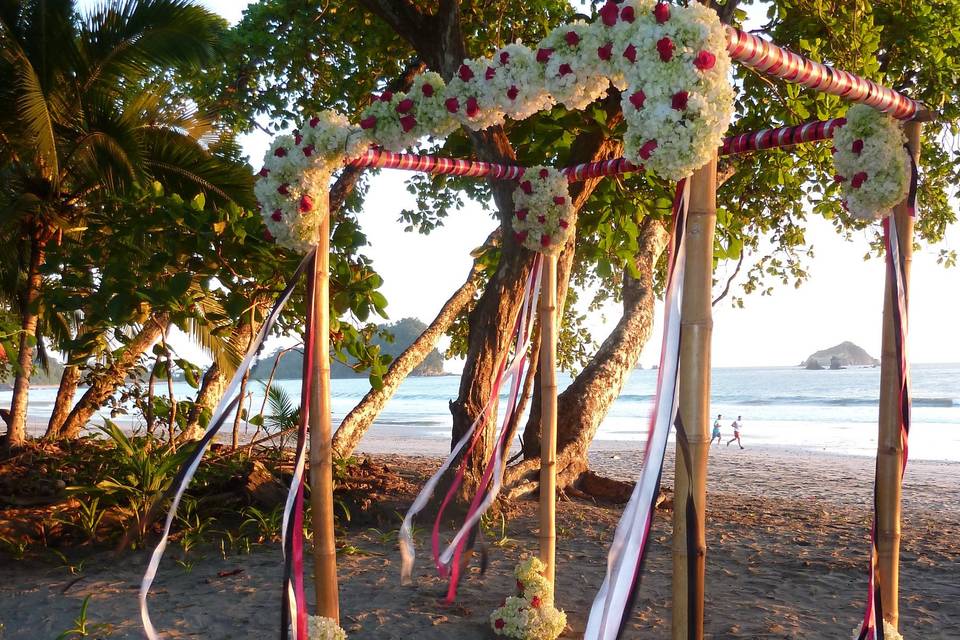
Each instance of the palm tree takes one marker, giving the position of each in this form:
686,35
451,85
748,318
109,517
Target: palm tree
86,113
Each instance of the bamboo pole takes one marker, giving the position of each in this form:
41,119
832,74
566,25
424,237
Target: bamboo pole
548,416
689,538
321,449
889,444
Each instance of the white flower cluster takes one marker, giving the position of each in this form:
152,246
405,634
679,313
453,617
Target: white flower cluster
530,615
872,166
544,217
670,62
293,189
889,633
322,628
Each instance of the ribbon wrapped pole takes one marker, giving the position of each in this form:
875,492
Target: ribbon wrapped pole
548,417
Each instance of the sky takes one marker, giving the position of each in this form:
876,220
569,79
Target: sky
842,300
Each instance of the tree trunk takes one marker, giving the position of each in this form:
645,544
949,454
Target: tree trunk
356,423
17,429
106,383
585,403
69,382
211,390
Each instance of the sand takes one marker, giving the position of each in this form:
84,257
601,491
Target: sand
787,557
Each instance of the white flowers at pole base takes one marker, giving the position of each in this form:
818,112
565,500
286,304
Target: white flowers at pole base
543,215
530,615
670,62
321,628
872,165
889,633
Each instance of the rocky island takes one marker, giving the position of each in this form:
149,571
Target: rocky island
845,354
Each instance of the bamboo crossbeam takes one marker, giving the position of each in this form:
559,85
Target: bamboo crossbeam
890,446
690,481
772,60
732,145
548,416
321,445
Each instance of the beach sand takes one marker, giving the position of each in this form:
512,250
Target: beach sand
787,556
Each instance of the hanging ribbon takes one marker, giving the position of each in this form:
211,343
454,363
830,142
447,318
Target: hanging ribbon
872,628
614,601
227,403
291,538
448,561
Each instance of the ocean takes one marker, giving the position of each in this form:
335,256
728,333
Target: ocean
832,411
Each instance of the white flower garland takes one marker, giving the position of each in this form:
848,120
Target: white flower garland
872,166
671,63
322,628
530,615
543,214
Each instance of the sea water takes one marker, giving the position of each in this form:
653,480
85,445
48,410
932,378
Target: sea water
834,411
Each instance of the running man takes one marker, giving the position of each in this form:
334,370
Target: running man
737,424
716,431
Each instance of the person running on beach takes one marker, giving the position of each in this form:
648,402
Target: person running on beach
716,431
736,431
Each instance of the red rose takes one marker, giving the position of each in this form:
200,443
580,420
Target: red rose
369,122
544,173
407,123
564,224
520,237
661,12
452,104
857,146
858,180
637,99
499,623
665,48
306,203
630,53
541,219
559,200
297,138
404,105
605,52
564,69
277,215
472,107
264,172
522,214
490,72
628,14
545,240
647,149
609,12
280,152
267,235
314,121
839,178
308,150
526,187
465,73
386,96
679,100
543,55
504,57
513,92
535,601
284,189
427,90
572,38
705,61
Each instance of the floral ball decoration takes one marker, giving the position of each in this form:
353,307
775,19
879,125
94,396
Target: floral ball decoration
293,188
543,214
677,99
322,628
529,615
872,165
515,77
572,71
